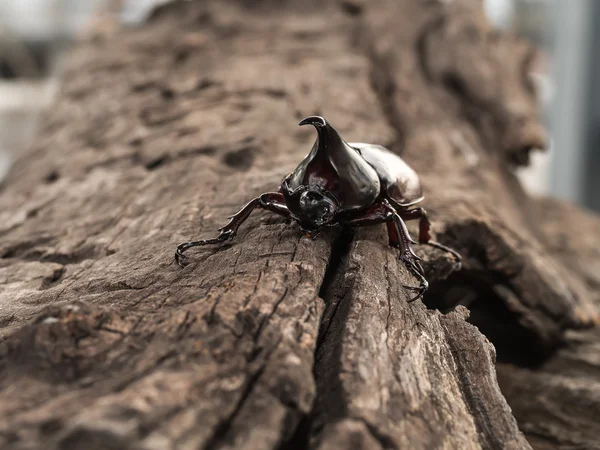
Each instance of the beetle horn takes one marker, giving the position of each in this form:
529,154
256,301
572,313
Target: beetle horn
337,165
328,140
316,121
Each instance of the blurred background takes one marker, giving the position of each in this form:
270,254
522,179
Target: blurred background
34,35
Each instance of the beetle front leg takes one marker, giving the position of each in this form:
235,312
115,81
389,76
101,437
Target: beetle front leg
270,201
424,228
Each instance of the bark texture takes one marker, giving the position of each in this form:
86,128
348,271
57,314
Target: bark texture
277,341
557,400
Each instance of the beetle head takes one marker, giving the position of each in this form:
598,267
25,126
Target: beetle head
314,209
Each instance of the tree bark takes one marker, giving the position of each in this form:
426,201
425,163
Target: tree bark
275,340
557,401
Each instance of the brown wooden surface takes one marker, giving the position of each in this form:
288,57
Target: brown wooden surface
275,340
557,401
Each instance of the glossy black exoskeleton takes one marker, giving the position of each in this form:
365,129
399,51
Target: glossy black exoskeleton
341,183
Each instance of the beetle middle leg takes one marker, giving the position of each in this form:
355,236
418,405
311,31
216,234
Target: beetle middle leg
399,238
270,201
424,228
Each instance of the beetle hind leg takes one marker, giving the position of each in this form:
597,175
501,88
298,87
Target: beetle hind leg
424,228
442,247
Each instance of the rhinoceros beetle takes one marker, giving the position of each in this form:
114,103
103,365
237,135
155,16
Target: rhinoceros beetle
339,184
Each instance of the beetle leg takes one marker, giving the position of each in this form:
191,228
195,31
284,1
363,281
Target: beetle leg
417,272
424,223
270,201
398,237
424,228
398,232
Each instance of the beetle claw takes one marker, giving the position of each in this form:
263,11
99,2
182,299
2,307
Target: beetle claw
419,290
413,264
181,259
418,296
415,268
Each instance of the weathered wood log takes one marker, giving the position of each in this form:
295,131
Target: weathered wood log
557,401
275,340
